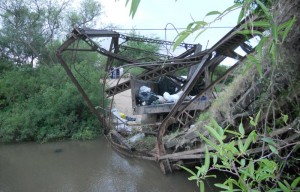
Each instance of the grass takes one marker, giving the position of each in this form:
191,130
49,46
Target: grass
148,143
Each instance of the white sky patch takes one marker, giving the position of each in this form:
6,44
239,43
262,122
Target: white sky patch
115,12
156,14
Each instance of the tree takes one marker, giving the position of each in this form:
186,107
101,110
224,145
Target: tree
30,27
41,104
142,51
27,27
85,16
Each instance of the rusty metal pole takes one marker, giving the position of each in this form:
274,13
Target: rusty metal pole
164,164
80,89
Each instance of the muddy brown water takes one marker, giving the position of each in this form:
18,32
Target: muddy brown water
79,166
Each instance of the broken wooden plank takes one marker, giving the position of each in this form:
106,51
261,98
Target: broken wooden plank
121,139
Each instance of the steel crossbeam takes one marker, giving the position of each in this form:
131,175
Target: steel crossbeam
156,41
141,50
187,54
224,47
165,68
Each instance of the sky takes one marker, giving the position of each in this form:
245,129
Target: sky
169,14
161,14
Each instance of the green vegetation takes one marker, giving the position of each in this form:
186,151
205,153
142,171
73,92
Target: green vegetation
37,100
236,158
31,29
42,104
252,129
148,143
135,70
259,157
140,52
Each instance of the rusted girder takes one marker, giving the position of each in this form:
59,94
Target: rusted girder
187,114
151,72
156,41
79,88
141,50
164,68
92,33
126,85
103,51
224,47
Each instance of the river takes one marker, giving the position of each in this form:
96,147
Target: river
82,166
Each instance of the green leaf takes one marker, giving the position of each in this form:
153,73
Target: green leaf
285,118
188,170
222,186
207,160
202,31
264,24
287,184
275,190
260,46
283,187
250,32
180,38
213,13
261,23
214,133
241,147
257,63
200,24
210,176
215,159
295,183
193,178
257,117
269,140
290,24
251,137
133,7
251,167
217,127
210,143
241,15
229,183
243,162
190,25
200,171
194,26
273,51
231,8
233,132
273,149
232,148
241,129
264,8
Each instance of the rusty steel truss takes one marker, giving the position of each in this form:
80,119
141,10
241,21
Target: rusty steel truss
204,62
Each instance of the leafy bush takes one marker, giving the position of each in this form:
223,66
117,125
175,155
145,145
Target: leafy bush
236,157
42,104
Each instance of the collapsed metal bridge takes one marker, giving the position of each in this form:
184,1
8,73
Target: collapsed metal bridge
202,63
